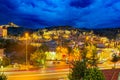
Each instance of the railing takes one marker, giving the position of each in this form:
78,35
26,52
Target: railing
113,75
116,75
119,76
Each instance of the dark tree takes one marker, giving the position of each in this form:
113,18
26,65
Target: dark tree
115,59
80,69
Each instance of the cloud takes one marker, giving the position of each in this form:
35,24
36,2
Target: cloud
98,15
78,13
81,3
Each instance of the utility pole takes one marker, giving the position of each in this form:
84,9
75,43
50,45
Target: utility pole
26,50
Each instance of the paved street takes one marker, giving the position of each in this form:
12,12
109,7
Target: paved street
52,73
38,75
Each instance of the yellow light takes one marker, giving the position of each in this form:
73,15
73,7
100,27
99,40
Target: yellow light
26,35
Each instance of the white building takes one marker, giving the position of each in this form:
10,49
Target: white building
3,31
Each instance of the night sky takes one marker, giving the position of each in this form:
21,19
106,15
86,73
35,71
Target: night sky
77,13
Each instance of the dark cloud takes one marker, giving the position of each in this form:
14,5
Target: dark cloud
81,3
78,13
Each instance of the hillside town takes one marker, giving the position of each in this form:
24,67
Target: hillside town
57,46
57,41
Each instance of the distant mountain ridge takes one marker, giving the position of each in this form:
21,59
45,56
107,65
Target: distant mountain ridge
16,30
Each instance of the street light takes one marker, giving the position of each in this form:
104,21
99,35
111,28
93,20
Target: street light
1,61
26,48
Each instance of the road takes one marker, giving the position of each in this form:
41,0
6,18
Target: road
51,73
38,75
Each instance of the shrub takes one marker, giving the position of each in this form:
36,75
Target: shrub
3,76
77,71
93,74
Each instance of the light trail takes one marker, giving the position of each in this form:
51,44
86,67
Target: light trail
39,74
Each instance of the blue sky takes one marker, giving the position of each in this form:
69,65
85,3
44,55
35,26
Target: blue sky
77,13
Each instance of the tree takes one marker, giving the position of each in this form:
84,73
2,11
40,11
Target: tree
115,58
118,47
78,70
93,60
15,50
41,33
5,61
69,51
81,69
3,76
2,43
44,47
93,74
38,58
76,53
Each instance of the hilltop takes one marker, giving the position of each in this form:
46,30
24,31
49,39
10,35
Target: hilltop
15,30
